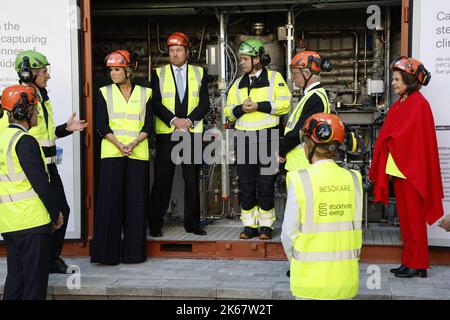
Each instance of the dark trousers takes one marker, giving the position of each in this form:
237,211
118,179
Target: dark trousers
122,203
57,237
164,171
256,178
27,261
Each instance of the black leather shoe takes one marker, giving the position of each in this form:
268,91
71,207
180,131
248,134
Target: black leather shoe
199,231
58,266
156,234
410,272
399,269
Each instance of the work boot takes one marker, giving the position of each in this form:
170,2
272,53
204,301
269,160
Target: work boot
248,233
265,233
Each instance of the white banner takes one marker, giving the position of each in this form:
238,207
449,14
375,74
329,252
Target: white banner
431,45
50,27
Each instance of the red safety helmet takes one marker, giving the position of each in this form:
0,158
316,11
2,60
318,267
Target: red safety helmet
178,39
119,58
412,66
18,95
307,59
324,128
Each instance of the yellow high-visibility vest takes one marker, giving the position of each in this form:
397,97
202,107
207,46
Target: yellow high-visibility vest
326,253
20,206
277,93
45,132
296,158
126,120
4,122
168,91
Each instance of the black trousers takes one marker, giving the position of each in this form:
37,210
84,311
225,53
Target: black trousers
162,187
57,237
257,174
28,262
122,203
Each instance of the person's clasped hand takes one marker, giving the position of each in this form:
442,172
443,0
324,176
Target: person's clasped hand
249,106
445,223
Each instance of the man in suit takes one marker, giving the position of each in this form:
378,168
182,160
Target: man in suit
180,101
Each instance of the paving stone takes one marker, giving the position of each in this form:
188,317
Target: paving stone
130,297
190,288
245,290
282,291
366,294
89,286
136,287
80,297
420,294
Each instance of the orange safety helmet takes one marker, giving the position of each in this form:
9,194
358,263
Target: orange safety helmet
18,95
412,66
119,58
178,39
324,128
310,60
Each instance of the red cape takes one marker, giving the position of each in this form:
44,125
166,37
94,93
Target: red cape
409,134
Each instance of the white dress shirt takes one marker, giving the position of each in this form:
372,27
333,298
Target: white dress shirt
184,76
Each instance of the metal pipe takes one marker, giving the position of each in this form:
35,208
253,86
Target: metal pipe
355,84
149,52
387,52
158,40
365,53
289,46
222,87
201,43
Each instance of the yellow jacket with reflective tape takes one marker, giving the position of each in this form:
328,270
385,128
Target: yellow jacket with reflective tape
20,206
325,257
277,93
44,132
296,158
126,120
168,91
4,122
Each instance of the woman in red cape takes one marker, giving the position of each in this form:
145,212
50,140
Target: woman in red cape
406,151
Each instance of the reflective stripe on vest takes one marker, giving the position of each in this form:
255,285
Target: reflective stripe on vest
126,120
167,88
18,196
50,160
326,256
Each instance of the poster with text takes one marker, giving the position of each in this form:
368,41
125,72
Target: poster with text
50,27
431,45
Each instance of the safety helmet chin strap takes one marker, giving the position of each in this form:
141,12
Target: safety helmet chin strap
311,152
306,80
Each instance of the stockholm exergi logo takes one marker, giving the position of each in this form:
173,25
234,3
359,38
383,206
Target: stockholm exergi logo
323,209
